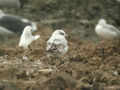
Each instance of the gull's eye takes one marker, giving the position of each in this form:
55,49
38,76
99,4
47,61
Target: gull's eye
61,33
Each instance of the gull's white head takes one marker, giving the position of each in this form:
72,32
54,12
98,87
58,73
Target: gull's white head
28,29
59,32
102,21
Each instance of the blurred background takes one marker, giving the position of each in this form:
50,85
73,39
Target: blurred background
79,17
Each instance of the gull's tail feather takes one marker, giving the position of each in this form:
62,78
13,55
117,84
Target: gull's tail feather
20,44
36,37
34,26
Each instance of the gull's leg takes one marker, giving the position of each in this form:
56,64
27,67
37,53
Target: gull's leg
29,47
103,53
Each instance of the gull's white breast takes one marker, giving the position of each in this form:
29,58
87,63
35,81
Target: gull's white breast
105,32
60,42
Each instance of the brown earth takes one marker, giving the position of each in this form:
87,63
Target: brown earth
86,66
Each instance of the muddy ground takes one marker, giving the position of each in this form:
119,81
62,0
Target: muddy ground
90,64
84,67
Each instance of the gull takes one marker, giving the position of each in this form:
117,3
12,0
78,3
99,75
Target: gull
106,31
57,43
27,38
14,23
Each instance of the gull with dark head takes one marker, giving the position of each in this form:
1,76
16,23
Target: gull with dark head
27,38
57,43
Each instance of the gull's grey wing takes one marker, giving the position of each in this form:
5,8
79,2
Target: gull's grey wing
13,23
112,28
4,31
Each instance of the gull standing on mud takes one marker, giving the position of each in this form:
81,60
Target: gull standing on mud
57,43
27,38
106,31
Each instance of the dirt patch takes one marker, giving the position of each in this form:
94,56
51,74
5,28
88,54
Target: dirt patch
86,66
